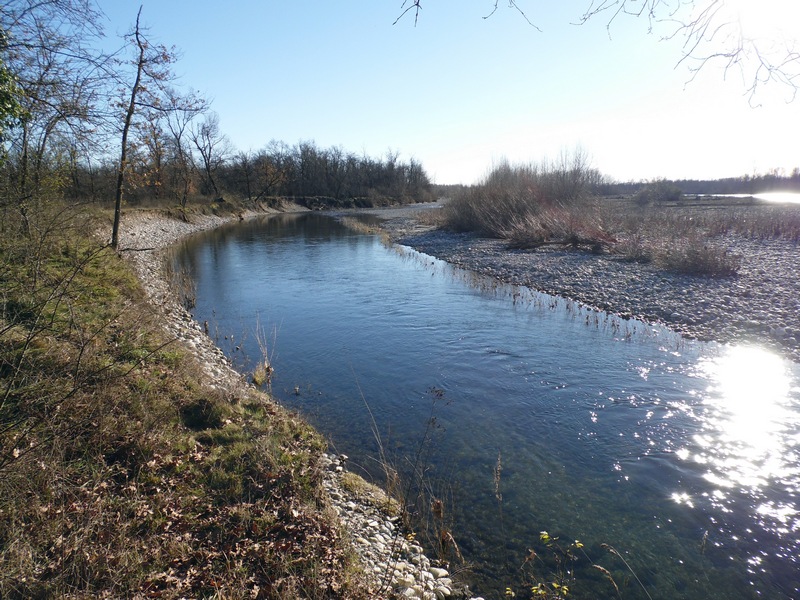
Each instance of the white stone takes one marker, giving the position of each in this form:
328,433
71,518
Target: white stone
405,580
438,573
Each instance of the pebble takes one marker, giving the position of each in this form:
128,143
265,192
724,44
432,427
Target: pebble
380,543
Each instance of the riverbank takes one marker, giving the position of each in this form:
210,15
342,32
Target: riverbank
758,306
370,521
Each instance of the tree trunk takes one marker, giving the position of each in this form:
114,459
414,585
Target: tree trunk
124,151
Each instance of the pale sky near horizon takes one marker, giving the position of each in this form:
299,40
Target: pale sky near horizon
460,93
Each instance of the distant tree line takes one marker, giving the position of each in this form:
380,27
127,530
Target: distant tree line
82,123
162,172
597,184
773,181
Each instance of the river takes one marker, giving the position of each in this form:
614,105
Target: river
509,413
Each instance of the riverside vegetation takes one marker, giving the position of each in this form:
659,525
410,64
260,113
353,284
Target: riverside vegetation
710,268
149,469
535,205
121,474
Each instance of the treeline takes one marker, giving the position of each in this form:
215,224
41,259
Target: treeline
774,181
82,123
161,173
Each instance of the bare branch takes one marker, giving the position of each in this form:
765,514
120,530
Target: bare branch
712,34
513,4
408,6
416,7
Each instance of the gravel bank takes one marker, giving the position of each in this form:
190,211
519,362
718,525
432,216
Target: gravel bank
760,305
397,566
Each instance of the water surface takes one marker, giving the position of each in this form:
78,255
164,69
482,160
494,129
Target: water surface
681,456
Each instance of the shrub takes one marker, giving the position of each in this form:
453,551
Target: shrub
658,192
203,413
540,202
696,256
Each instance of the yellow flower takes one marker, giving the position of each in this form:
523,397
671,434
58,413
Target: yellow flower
544,536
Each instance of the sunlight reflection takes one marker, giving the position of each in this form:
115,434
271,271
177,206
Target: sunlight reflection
781,197
744,442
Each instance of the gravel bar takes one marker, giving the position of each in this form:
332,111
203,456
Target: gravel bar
760,305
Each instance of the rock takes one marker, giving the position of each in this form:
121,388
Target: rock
406,580
438,573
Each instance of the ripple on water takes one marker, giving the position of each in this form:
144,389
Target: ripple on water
682,456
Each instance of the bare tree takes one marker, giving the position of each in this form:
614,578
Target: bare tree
56,81
214,148
149,93
182,112
272,166
141,62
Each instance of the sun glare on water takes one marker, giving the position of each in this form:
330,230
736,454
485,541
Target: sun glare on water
746,439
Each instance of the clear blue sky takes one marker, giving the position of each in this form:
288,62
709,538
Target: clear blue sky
459,92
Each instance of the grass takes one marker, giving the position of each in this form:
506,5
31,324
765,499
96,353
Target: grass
522,206
680,239
121,474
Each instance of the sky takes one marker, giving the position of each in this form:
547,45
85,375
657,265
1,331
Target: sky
461,93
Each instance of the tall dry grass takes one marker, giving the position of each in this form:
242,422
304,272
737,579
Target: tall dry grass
531,206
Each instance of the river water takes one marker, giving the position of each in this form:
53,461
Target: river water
521,413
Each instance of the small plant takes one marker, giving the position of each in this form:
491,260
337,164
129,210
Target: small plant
552,571
560,567
262,374
694,256
423,503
